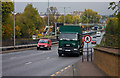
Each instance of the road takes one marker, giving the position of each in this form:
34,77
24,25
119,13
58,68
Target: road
36,62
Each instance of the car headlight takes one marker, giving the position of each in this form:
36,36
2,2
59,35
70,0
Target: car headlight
75,49
59,48
45,45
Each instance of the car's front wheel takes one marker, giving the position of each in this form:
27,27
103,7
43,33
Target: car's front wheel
38,48
50,48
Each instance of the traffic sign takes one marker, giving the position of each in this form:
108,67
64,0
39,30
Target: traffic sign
87,38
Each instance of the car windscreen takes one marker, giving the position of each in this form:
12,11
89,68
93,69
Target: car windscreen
42,41
68,36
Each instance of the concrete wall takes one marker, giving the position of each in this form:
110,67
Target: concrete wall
107,60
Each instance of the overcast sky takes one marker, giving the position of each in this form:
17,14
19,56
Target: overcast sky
100,7
63,0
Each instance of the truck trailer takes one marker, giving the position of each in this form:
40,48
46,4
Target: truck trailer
70,40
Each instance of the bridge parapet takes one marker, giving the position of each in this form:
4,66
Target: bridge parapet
108,60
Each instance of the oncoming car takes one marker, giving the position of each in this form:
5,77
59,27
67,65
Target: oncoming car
44,44
98,34
93,42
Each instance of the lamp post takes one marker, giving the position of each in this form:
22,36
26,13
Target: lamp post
48,12
14,21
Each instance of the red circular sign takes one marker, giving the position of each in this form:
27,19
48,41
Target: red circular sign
87,38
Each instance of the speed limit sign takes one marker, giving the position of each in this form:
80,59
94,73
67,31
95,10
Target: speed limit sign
87,38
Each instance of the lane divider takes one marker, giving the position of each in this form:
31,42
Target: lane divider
62,70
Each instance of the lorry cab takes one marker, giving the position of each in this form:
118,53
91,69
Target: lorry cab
44,44
70,40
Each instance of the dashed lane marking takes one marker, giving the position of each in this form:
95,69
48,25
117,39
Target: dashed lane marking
47,57
28,63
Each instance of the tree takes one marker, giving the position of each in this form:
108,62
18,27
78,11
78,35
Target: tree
53,11
7,34
7,22
17,32
113,6
76,20
51,20
61,19
29,21
7,8
68,19
90,16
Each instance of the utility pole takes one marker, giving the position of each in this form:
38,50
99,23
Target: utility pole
87,37
65,12
48,12
64,15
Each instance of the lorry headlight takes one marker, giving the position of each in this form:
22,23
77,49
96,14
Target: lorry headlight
45,45
61,39
59,48
75,49
74,39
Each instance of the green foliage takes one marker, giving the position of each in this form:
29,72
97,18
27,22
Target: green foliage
51,20
91,16
7,21
112,26
61,19
113,6
97,45
7,8
76,20
68,19
29,21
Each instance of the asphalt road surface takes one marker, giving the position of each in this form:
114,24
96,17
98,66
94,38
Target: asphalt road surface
37,62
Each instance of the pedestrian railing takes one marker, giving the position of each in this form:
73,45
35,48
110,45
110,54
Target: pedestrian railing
87,54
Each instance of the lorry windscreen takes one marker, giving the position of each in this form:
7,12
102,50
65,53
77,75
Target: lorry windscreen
68,36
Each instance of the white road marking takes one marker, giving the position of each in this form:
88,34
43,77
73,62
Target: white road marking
28,63
47,57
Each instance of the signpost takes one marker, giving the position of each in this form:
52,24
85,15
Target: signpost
87,39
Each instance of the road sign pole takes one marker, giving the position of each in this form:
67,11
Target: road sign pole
87,53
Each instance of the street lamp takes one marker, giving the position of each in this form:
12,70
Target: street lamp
48,12
14,21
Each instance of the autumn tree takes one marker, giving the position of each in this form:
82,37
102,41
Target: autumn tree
76,20
7,22
61,19
90,16
29,21
51,20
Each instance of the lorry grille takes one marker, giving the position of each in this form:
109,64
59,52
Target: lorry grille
68,45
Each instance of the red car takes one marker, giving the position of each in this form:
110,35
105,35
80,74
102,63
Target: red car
93,42
44,44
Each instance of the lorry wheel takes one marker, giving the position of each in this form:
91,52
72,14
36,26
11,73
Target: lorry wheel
78,55
59,54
